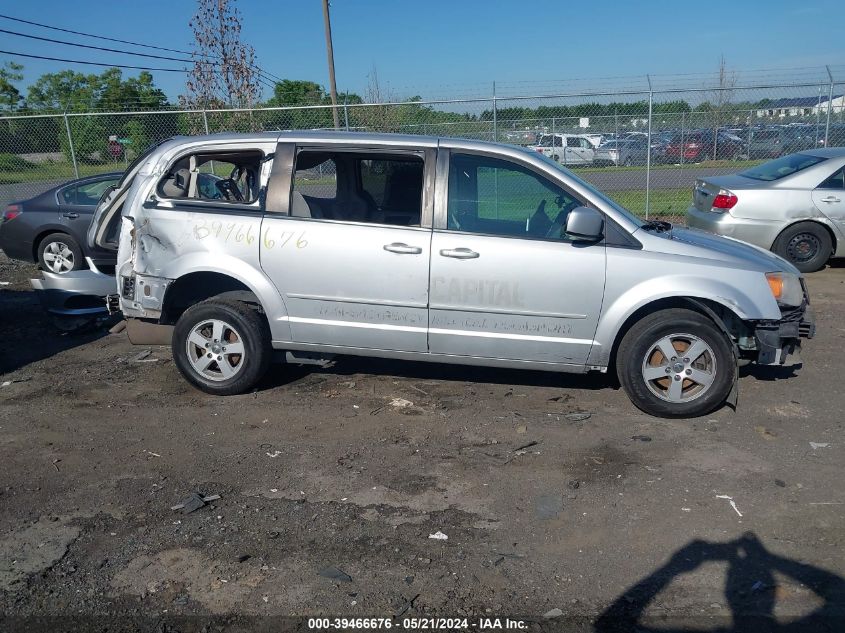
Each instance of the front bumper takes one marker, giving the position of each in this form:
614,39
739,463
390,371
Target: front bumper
761,233
776,340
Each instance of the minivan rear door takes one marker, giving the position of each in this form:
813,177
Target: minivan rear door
104,231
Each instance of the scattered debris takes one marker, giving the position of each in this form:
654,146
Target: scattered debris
553,613
274,454
578,417
143,357
194,502
574,484
524,446
5,283
732,502
6,383
438,535
244,558
333,573
151,453
765,433
406,607
817,445
641,438
401,403
119,327
780,483
55,464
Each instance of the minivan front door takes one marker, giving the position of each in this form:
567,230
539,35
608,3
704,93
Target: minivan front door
349,248
506,281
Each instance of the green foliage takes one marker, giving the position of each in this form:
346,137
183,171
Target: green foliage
11,162
90,139
10,96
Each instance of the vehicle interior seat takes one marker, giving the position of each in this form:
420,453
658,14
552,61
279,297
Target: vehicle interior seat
177,183
300,207
403,198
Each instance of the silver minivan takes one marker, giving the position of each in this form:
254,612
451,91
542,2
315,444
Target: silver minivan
313,244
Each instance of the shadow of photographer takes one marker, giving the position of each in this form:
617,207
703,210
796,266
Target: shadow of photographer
750,593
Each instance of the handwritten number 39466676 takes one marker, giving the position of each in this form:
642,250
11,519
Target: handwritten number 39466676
243,233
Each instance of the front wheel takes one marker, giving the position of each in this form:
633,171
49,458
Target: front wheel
676,363
222,346
805,245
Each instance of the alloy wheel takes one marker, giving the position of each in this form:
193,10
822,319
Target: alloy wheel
679,368
215,350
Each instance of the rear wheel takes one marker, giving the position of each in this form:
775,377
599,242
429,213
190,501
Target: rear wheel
221,346
676,363
806,245
59,253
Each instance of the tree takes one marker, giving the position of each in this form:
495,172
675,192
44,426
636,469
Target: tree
224,71
65,91
10,96
296,92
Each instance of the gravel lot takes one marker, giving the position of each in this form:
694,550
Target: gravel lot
553,491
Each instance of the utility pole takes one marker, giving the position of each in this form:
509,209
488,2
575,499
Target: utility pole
330,53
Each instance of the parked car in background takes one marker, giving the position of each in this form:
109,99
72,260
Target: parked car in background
695,146
459,251
793,205
567,149
632,151
50,228
767,142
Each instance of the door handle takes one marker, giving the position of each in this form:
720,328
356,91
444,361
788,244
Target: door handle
402,249
71,216
830,199
459,253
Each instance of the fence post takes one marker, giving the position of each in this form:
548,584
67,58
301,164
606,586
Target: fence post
205,120
495,131
553,141
683,121
72,151
829,105
648,150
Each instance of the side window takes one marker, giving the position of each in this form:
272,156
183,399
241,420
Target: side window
221,177
358,187
68,195
836,181
497,197
90,193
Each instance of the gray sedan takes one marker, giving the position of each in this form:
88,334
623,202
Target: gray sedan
631,151
793,205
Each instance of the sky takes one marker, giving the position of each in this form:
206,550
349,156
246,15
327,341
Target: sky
443,48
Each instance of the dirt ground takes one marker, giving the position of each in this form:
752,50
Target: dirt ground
558,497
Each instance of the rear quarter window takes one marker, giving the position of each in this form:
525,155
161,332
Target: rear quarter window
781,167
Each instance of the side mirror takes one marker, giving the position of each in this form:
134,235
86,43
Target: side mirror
584,223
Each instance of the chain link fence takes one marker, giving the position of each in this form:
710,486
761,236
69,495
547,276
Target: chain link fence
644,144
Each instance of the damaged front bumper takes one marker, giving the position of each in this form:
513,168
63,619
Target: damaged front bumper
75,293
776,340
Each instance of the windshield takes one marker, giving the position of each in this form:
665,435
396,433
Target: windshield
781,167
608,201
547,139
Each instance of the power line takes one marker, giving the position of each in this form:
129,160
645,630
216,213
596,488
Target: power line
113,39
122,52
77,61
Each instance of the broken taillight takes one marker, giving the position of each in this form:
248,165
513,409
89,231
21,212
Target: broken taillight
11,212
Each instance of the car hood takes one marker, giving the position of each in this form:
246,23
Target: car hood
726,250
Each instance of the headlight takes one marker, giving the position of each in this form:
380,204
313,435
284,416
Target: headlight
786,288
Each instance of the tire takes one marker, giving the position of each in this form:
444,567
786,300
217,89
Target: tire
629,162
676,394
242,327
806,245
60,253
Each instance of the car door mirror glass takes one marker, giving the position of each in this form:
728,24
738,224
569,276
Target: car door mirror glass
584,223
